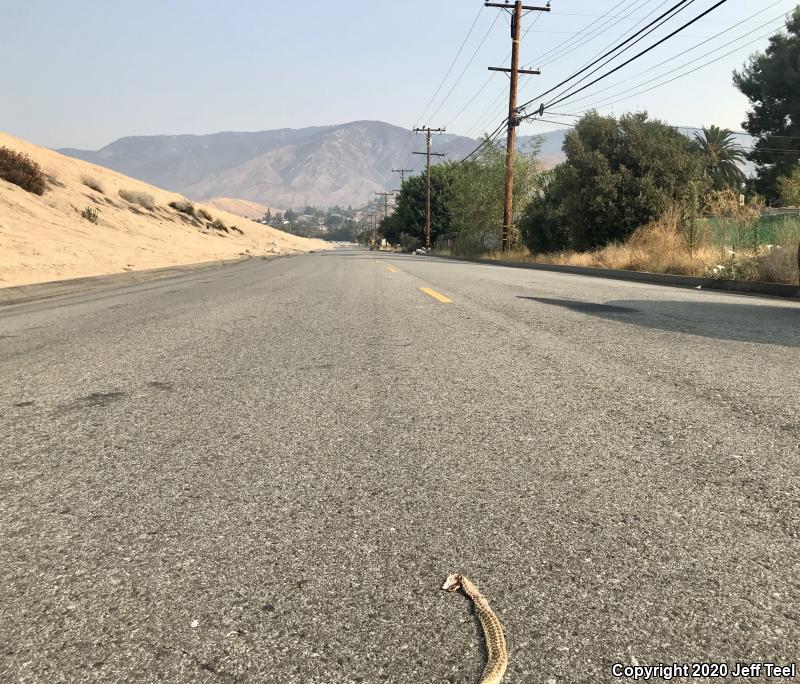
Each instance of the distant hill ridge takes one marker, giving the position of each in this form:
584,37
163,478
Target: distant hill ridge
319,166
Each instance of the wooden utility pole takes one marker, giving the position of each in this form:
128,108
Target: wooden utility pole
519,11
402,173
429,154
386,196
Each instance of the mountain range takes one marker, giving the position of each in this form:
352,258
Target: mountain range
287,168
320,166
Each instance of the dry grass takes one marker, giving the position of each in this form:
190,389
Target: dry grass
143,199
661,247
92,183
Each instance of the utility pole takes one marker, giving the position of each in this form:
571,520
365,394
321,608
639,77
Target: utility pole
373,217
429,154
402,173
386,196
514,72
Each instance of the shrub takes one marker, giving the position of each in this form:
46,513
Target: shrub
237,229
216,224
203,214
619,174
780,264
91,214
138,197
183,206
53,180
21,170
408,242
92,183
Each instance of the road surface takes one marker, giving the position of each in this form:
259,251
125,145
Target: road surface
264,472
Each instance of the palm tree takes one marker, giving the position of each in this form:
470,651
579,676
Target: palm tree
722,154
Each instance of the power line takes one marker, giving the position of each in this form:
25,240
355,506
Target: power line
441,84
464,71
694,47
567,44
610,101
638,55
472,129
609,52
452,65
619,50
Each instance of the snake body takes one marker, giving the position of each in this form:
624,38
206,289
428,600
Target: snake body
496,651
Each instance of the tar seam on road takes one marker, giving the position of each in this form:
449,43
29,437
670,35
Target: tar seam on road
439,297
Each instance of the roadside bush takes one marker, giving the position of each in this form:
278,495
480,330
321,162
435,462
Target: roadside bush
183,206
408,242
619,175
91,214
92,183
780,264
203,214
138,197
21,170
216,224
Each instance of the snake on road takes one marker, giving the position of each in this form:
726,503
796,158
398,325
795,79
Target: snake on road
496,651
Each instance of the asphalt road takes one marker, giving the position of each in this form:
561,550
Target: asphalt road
264,472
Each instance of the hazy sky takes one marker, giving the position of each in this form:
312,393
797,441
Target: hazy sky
81,73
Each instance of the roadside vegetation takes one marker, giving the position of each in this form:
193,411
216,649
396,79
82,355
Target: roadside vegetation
19,169
91,215
635,193
92,183
141,199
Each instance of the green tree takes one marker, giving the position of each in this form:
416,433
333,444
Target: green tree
771,81
722,155
478,189
409,213
619,175
544,225
789,188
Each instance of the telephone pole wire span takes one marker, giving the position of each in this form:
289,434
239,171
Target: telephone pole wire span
513,121
429,132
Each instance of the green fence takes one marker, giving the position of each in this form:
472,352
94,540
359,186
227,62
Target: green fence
773,229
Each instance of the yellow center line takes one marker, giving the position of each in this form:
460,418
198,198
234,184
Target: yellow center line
392,269
439,297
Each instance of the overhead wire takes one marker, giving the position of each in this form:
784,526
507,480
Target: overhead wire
443,81
611,99
638,55
694,47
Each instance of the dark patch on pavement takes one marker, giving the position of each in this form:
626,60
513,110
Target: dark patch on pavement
583,307
735,321
158,384
99,399
20,404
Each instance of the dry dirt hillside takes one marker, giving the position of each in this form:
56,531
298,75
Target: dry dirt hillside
45,237
240,207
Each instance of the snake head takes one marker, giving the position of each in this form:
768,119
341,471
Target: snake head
452,583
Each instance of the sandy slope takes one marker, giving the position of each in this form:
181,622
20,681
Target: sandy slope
45,238
240,207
